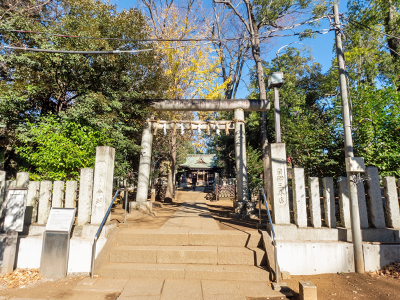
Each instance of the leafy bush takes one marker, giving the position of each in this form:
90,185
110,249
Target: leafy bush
57,148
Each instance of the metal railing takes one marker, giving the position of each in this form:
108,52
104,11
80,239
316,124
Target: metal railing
96,237
273,237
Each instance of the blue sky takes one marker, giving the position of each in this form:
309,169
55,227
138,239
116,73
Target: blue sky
321,47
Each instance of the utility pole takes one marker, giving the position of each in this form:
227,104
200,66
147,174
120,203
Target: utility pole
354,165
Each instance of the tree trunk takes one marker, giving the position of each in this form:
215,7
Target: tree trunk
393,43
169,195
265,153
255,47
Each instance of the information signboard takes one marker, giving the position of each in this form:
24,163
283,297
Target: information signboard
61,219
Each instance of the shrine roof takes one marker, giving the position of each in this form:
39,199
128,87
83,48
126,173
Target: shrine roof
200,161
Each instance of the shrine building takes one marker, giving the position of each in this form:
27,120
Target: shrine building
203,165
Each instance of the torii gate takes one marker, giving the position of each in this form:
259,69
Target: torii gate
237,106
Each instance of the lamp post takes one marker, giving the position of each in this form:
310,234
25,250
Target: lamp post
275,81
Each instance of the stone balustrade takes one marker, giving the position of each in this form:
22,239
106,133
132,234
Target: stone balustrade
325,203
43,195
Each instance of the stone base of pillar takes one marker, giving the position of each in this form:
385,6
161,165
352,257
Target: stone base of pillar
89,230
244,210
145,206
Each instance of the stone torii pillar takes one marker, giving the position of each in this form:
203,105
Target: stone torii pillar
237,106
144,164
240,155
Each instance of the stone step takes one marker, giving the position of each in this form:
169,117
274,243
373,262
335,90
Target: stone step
212,255
184,271
227,238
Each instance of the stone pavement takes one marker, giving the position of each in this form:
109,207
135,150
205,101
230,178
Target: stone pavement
177,289
193,214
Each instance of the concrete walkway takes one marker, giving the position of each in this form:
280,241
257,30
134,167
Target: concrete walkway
193,214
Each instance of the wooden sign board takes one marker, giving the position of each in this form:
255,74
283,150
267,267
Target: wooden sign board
15,209
61,219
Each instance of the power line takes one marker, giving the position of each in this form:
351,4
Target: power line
265,35
121,39
370,28
92,52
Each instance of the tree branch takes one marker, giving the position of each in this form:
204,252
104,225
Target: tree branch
228,3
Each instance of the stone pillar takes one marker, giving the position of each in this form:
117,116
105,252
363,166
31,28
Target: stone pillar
32,201
22,180
299,197
70,194
85,196
329,202
216,179
315,202
58,194
279,184
44,201
362,204
144,163
2,187
344,202
103,182
374,197
392,202
240,155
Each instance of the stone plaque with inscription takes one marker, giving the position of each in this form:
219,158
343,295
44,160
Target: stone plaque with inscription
15,209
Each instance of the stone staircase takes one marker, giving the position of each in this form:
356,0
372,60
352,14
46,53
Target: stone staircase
186,254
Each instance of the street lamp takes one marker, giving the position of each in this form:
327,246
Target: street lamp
275,81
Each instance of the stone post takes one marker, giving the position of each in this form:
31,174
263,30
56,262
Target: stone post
240,154
216,179
362,204
44,201
85,196
32,201
70,194
299,197
392,202
103,182
329,202
374,197
22,180
307,290
344,202
2,187
11,241
144,163
279,184
58,194
315,202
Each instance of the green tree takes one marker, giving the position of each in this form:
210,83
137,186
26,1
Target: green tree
376,125
105,92
372,46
